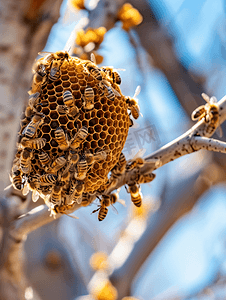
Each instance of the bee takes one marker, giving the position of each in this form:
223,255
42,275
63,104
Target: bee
122,160
76,191
133,104
110,94
30,130
32,102
55,70
64,176
91,158
55,197
135,193
33,181
29,112
88,98
47,179
62,109
113,74
68,99
61,139
73,158
16,180
146,178
94,71
209,111
79,137
39,79
106,201
33,99
50,56
82,168
25,161
36,144
38,65
58,164
108,90
44,158
118,169
137,161
73,112
86,199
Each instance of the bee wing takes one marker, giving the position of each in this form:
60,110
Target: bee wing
23,132
43,53
118,69
156,162
135,125
140,153
137,91
35,196
73,217
8,187
115,92
121,201
114,209
93,58
219,131
25,190
205,97
79,200
193,117
213,99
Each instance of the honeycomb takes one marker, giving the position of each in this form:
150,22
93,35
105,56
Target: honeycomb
107,125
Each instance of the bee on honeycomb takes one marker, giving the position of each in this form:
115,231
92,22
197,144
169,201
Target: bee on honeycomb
72,133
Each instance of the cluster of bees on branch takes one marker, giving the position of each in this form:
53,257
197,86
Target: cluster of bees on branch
210,113
120,169
65,174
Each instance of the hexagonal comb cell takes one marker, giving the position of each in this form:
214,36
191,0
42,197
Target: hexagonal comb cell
70,141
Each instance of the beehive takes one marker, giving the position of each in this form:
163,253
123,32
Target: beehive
107,124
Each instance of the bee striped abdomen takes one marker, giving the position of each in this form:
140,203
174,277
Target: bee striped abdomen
136,196
79,137
61,139
48,178
68,98
44,158
102,213
17,180
25,161
110,93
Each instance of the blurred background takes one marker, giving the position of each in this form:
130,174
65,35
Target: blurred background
177,243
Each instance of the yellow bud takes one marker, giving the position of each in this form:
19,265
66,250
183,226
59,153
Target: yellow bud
98,261
105,290
143,211
129,16
80,38
78,4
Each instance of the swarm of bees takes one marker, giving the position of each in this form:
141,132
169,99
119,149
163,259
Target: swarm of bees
72,135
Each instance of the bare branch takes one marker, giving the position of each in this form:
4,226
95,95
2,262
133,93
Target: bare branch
208,144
